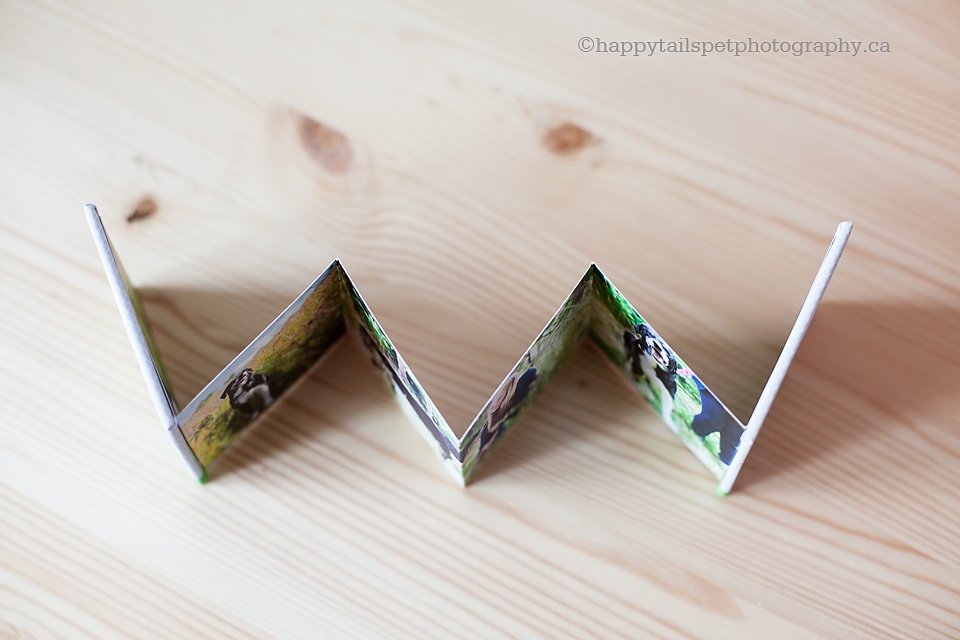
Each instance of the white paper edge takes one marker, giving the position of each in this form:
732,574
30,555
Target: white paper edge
809,308
158,392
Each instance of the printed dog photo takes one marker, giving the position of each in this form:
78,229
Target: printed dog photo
681,399
276,359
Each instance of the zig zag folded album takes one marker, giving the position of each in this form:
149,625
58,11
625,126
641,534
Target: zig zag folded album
330,307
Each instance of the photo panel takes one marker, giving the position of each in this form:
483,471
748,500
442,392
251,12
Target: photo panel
679,397
413,400
556,342
265,369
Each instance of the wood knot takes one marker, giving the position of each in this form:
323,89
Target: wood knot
144,209
567,138
328,147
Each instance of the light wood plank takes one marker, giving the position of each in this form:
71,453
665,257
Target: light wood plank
706,188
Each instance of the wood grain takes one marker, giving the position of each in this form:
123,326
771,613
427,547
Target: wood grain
467,163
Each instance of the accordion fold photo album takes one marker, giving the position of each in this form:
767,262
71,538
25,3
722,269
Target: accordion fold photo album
332,306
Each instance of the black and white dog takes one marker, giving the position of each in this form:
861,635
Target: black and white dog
249,393
650,358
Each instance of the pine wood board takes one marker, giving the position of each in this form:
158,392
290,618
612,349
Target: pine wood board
444,178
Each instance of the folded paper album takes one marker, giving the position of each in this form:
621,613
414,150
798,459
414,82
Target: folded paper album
331,307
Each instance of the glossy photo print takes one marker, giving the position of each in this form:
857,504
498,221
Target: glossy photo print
409,394
541,360
269,366
332,306
677,395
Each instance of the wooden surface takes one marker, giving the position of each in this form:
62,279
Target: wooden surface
467,163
